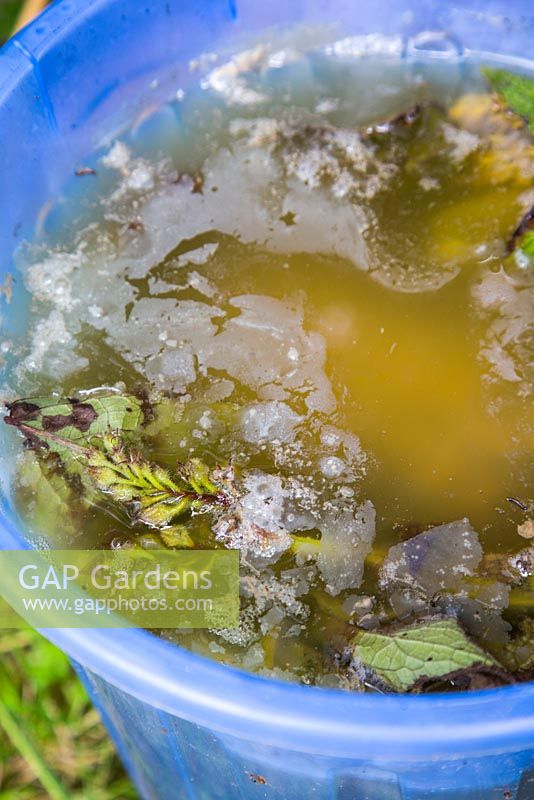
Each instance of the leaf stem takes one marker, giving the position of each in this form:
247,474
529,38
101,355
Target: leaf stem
52,437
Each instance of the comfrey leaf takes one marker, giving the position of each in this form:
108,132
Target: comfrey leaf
430,650
46,497
516,92
91,439
151,495
75,420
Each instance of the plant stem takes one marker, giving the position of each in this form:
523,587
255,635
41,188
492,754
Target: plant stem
52,437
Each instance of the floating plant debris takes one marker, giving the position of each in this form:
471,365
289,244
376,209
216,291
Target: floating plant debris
516,92
306,332
430,649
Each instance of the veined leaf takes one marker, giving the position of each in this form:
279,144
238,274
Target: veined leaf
516,92
177,536
46,496
432,649
78,421
84,433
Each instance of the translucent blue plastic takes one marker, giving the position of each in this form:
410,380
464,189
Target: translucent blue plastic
186,727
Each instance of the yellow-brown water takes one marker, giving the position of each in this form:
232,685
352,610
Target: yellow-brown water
399,273
416,392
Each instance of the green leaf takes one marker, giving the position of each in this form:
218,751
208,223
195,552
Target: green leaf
516,92
77,421
90,435
46,497
521,244
527,244
523,254
432,649
177,536
198,475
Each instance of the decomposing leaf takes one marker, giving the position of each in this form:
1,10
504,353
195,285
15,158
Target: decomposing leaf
74,420
91,433
431,649
89,439
516,92
518,654
512,568
47,498
469,679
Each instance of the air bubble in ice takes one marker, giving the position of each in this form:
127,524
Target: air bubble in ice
331,466
265,422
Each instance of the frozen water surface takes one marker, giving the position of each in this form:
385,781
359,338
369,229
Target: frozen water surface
256,524
265,422
438,559
347,538
167,278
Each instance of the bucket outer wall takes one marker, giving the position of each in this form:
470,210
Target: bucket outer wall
188,728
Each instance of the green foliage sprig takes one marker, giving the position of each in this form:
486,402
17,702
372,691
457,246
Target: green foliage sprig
515,91
152,496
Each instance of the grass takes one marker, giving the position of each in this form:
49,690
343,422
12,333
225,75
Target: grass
52,743
9,11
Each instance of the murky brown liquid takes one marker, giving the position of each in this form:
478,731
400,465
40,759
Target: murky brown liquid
423,327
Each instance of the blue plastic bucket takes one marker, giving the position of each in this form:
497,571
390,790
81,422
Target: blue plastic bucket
187,727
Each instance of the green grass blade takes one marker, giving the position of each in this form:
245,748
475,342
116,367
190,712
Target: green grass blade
27,750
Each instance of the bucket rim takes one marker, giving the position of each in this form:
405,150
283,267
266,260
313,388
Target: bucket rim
291,716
